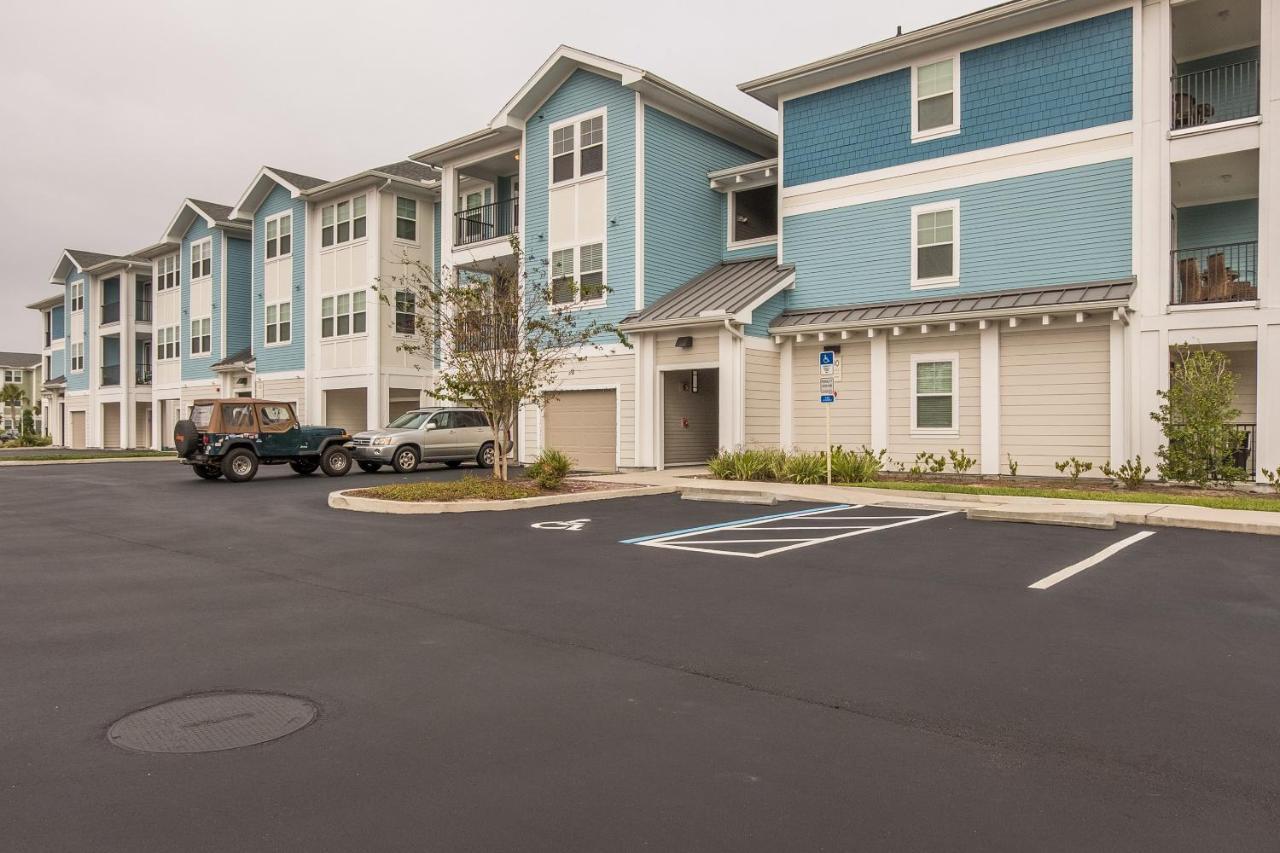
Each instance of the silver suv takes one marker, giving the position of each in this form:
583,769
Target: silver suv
438,434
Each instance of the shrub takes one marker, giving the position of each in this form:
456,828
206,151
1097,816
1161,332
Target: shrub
549,469
1131,473
1013,466
1273,477
804,468
1073,468
746,464
1196,418
856,466
468,488
961,463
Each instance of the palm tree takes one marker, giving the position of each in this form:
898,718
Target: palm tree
11,395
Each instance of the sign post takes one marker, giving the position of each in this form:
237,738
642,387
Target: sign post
827,395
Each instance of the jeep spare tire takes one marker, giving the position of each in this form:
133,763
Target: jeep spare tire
186,438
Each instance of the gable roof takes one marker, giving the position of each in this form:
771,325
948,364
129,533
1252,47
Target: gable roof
405,173
215,216
728,290
78,260
260,187
19,359
565,60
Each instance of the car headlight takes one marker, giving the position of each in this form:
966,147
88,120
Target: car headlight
381,440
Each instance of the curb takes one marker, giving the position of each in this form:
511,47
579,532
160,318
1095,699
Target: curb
345,501
727,496
19,463
1095,520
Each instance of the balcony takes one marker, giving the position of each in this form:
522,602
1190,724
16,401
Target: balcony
110,374
1244,456
110,313
142,374
486,222
1215,274
142,311
1213,95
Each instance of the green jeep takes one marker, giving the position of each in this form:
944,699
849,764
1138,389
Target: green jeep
231,438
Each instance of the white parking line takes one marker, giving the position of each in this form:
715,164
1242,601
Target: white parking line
1075,568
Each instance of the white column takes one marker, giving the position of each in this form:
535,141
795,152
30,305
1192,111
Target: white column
880,391
786,396
157,423
1118,411
1153,376
732,391
1268,389
989,392
647,389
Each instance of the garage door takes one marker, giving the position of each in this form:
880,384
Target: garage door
77,430
111,425
584,424
346,408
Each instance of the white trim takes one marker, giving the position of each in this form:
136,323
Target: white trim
206,252
417,218
279,342
953,280
937,432
880,392
351,240
284,214
1116,389
603,114
731,207
192,355
942,130
989,394
640,153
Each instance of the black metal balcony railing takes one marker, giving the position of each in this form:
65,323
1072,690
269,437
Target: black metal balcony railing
110,374
1244,456
486,222
1226,273
142,374
110,313
1214,95
142,311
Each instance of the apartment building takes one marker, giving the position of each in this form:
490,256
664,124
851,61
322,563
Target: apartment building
23,370
48,394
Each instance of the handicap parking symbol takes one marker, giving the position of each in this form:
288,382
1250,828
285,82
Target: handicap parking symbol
573,524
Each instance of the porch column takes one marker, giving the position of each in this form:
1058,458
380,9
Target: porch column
786,395
989,391
1267,454
880,391
732,391
1118,412
646,399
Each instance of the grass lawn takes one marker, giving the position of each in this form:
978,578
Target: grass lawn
1256,502
466,489
41,455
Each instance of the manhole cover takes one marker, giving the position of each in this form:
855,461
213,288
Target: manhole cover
212,721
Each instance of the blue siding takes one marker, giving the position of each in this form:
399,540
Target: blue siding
762,317
199,367
291,357
1067,78
1071,225
57,323
79,381
581,93
57,364
239,307
1207,225
684,219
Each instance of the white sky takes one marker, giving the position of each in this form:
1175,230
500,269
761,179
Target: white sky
112,112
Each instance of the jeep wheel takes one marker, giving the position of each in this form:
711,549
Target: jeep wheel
336,461
405,461
486,457
369,467
240,465
304,468
207,472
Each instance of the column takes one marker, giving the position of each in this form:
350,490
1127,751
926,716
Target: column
880,390
989,393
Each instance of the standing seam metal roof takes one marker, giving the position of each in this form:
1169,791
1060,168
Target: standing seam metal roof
727,287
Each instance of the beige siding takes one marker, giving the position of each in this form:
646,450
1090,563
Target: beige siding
584,425
1055,398
903,446
198,392
285,391
850,413
346,408
1244,364
705,349
690,421
111,425
394,267
762,403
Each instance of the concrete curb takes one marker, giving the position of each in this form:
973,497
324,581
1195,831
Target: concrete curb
19,463
1097,520
728,496
343,500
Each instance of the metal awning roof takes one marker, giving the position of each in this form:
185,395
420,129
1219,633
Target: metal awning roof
1073,297
728,289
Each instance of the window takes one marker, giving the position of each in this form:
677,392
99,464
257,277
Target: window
77,357
406,219
279,236
754,214
406,312
587,285
168,346
278,322
238,417
934,405
201,336
342,315
935,245
201,259
342,222
935,105
167,272
577,149
77,296
12,375
275,417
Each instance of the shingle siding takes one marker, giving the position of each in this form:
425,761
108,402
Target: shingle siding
1067,78
291,357
1061,227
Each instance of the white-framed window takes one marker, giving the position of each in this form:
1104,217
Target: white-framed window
577,148
342,314
935,245
406,312
166,272
279,236
343,222
278,323
753,216
168,343
406,219
577,275
935,393
201,259
77,296
201,337
77,357
935,99
14,376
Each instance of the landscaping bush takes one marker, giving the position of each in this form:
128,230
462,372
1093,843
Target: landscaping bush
1131,474
1196,418
856,466
960,462
549,469
1073,468
1273,477
1013,466
805,468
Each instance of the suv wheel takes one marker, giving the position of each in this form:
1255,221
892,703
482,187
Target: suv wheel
486,457
304,469
240,465
405,461
370,467
207,472
336,461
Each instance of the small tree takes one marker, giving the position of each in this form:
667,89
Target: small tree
28,423
1196,418
11,397
499,339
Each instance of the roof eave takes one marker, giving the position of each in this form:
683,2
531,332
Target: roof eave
955,317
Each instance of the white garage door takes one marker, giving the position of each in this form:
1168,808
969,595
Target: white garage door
78,430
584,424
346,408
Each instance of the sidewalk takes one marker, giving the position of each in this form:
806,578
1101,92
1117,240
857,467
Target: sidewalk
993,507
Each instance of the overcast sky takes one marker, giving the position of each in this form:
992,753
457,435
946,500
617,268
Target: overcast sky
112,112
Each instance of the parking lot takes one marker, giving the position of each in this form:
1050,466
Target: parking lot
635,673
